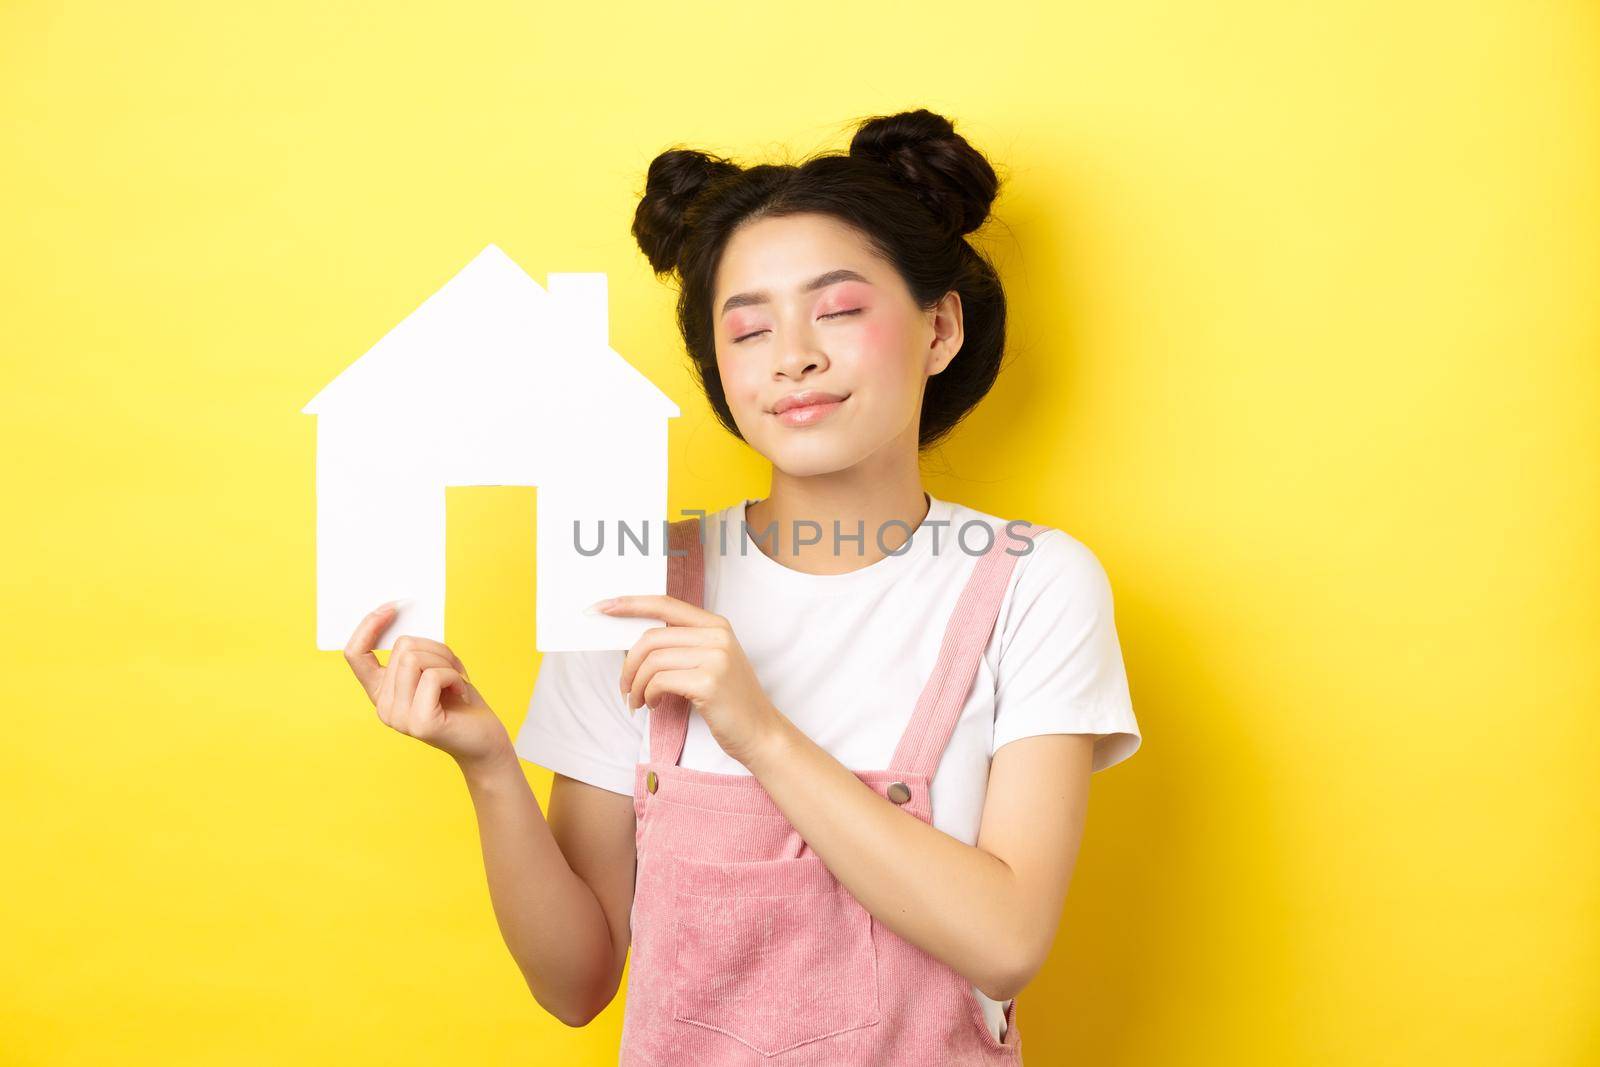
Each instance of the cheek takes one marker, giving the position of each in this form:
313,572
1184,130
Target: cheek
875,336
885,350
742,382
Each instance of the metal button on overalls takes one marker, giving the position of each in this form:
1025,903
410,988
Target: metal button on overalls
899,792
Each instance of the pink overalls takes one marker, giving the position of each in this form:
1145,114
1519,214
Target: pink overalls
746,949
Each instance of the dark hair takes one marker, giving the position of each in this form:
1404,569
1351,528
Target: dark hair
910,184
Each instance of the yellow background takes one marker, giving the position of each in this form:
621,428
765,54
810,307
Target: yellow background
1305,330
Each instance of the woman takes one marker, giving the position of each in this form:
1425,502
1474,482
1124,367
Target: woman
730,794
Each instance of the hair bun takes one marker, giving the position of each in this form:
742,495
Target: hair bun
675,180
924,152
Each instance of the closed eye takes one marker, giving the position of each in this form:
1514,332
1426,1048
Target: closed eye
833,315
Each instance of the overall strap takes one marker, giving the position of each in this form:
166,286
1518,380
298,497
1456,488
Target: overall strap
965,637
686,569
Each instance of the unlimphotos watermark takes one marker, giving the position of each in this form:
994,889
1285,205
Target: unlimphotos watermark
973,537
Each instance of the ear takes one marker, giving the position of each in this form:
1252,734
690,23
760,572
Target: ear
945,319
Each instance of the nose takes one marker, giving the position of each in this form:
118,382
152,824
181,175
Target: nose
799,354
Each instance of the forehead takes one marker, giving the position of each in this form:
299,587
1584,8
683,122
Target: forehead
782,253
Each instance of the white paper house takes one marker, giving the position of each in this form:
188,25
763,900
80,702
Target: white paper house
493,380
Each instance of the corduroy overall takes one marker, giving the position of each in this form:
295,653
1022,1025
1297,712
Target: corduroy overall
746,949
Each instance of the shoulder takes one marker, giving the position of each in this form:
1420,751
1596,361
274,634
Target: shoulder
1058,590
1052,562
1061,563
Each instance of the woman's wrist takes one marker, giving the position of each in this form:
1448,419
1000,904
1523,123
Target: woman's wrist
773,745
491,767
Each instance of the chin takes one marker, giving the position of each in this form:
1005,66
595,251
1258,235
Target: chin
806,459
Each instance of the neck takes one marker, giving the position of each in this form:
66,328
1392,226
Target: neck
885,510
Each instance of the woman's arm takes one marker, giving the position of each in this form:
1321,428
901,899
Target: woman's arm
990,911
561,890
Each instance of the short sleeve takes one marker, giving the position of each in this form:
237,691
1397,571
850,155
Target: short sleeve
577,724
1060,667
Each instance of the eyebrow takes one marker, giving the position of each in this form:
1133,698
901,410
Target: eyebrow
821,281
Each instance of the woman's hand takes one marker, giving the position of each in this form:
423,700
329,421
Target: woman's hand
424,693
697,657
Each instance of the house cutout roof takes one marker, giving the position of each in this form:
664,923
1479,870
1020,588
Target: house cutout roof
492,337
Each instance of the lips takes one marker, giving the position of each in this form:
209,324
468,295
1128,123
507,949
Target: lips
805,398
797,413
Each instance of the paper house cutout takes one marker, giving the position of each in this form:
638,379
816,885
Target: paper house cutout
493,380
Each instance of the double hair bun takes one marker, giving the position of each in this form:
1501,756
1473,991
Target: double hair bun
919,150
923,151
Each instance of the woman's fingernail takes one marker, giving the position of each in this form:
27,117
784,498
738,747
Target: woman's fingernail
403,602
599,606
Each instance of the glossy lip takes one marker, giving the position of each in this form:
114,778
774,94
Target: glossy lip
808,414
804,398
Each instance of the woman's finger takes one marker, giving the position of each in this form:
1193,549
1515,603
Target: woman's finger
427,702
687,682
386,692
392,707
358,651
405,669
663,637
669,657
433,646
669,609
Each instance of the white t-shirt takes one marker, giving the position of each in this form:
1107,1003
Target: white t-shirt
845,656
